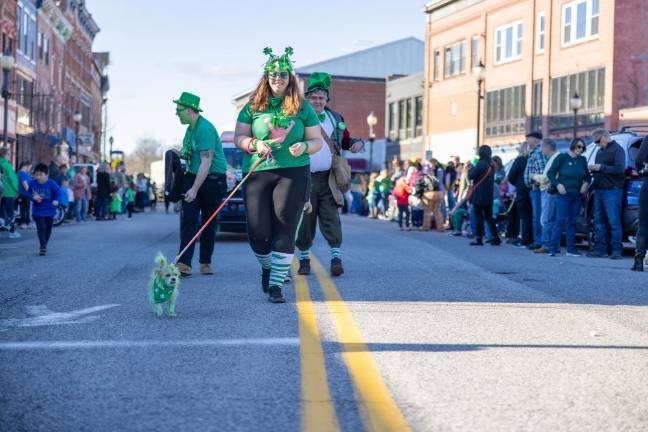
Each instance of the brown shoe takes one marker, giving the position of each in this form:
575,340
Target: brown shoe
541,250
206,269
184,269
336,267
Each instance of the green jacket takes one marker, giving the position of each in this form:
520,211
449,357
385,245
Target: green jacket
9,179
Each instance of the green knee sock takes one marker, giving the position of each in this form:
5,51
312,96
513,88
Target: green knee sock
264,260
280,265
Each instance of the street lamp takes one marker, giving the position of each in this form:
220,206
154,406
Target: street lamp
77,117
576,102
479,72
7,63
111,140
372,121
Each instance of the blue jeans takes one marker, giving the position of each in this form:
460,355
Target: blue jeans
607,213
80,209
452,202
356,203
547,217
536,212
7,207
568,208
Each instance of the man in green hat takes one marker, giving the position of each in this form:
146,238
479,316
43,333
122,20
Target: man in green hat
327,188
203,184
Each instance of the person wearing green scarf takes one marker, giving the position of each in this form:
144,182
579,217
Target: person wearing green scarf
326,197
204,183
278,129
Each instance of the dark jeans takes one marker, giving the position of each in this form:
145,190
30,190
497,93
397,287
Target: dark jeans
403,211
568,208
130,206
23,205
101,208
417,217
536,208
484,213
523,207
44,229
642,232
607,214
512,222
7,207
207,200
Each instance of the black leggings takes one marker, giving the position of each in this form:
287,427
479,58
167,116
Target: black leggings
274,200
44,228
485,213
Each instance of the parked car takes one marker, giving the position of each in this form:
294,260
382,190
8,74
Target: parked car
233,217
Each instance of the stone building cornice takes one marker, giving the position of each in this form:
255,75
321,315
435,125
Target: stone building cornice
61,26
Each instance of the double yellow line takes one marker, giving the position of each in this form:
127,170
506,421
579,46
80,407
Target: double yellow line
380,412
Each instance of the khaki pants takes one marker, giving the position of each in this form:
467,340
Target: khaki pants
432,205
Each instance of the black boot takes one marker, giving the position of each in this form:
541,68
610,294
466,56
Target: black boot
477,242
638,263
265,280
275,296
304,267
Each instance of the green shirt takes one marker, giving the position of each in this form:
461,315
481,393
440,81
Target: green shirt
204,137
9,179
306,117
569,171
130,195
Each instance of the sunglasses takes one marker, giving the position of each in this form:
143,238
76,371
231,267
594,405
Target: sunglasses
280,75
180,110
597,141
580,147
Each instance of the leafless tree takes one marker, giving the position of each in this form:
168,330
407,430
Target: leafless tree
148,150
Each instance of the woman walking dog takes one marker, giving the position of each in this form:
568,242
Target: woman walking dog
278,126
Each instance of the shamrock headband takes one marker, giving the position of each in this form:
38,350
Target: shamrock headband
275,62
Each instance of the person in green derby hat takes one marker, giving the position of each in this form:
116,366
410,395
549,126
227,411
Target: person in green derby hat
203,184
278,129
326,196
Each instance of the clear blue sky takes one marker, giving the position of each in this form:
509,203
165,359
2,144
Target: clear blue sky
159,48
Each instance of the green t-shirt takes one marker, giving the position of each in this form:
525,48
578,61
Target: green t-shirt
204,137
306,117
569,171
130,195
9,179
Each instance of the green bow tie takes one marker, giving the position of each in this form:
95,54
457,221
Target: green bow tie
321,117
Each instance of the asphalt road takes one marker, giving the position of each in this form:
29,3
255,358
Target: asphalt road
421,332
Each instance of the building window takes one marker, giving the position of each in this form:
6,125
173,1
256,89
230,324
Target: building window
541,26
402,124
455,59
418,125
46,50
393,121
590,86
24,90
474,51
536,106
410,118
437,65
505,114
580,21
508,43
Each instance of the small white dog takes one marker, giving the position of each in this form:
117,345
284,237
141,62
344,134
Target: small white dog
163,286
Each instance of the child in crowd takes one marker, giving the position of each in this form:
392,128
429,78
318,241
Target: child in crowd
45,193
416,205
401,193
64,202
23,201
130,199
115,202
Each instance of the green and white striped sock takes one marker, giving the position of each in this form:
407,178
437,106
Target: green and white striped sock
264,260
304,254
336,252
279,268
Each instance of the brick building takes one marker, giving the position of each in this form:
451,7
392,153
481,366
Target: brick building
8,19
358,86
537,54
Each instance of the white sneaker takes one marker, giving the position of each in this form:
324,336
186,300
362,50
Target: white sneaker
14,235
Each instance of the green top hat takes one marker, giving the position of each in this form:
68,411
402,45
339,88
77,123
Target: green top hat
189,100
319,81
